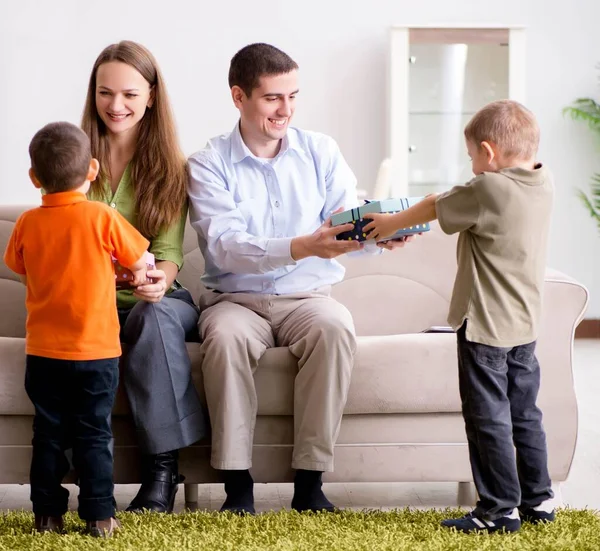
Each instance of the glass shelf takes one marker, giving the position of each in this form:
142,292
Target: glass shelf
448,83
439,78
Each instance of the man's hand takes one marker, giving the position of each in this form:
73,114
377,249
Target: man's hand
383,225
398,243
322,242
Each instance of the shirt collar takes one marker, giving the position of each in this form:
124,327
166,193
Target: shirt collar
239,150
536,176
62,198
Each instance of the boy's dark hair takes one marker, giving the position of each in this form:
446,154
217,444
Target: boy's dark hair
257,60
60,156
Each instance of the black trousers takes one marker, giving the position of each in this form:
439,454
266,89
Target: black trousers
498,389
73,402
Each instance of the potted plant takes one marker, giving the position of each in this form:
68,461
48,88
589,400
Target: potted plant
587,110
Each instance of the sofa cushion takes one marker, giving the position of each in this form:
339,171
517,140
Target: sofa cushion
392,374
12,306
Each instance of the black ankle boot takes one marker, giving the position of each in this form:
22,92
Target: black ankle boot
308,495
160,477
239,487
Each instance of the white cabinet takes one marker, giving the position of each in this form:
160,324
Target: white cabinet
438,78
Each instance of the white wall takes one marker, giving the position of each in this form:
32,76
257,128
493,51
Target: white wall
47,50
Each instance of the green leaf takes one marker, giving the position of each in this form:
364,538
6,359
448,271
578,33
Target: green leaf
586,110
591,202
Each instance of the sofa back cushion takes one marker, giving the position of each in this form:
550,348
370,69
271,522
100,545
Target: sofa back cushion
404,291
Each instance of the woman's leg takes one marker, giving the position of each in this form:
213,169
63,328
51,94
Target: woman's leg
166,409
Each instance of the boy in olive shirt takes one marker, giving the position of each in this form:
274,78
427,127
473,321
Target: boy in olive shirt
503,216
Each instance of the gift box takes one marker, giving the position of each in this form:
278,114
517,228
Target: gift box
355,216
124,276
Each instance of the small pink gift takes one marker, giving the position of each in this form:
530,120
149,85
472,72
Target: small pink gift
124,277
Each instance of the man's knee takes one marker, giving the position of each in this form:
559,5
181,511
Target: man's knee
220,326
231,340
336,327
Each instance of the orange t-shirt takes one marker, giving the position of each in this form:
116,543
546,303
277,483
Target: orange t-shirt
64,248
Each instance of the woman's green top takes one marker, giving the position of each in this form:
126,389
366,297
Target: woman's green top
167,245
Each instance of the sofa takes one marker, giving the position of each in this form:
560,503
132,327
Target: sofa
402,421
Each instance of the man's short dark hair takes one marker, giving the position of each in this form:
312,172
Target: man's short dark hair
257,60
60,156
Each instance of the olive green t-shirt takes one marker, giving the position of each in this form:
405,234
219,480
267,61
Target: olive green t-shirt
167,245
503,219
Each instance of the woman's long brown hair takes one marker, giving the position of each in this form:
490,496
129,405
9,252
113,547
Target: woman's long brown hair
158,168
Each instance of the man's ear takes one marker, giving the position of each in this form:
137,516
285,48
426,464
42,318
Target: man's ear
93,170
489,151
237,95
34,179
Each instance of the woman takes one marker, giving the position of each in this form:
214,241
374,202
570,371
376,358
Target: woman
143,175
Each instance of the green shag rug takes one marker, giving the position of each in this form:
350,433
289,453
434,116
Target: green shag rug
413,530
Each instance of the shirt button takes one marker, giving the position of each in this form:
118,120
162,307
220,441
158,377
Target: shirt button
113,205
277,204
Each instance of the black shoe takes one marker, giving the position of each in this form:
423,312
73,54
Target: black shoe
535,517
239,487
308,495
160,479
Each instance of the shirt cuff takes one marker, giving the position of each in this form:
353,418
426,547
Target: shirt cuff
279,252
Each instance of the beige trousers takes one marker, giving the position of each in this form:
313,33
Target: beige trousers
236,329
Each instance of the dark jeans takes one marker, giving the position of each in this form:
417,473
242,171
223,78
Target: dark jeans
498,389
73,403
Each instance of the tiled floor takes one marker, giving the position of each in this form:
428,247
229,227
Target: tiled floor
582,489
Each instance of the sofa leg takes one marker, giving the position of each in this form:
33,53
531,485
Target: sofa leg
558,498
467,495
191,496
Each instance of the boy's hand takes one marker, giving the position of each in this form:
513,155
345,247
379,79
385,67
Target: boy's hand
139,276
383,225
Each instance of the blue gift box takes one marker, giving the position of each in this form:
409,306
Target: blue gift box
355,216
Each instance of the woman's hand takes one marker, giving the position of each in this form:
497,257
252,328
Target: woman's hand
152,292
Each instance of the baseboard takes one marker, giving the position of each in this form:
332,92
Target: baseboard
588,329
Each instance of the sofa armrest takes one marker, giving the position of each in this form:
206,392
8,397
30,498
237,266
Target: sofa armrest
564,304
565,300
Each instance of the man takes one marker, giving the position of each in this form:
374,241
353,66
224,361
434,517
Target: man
260,200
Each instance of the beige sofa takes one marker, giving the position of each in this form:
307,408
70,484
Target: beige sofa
402,421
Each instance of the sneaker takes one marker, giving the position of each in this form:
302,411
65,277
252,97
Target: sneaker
44,523
472,523
535,517
102,528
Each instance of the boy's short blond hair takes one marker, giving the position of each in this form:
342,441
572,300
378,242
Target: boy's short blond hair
508,125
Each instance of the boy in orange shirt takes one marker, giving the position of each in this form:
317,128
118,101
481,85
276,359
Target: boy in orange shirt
62,251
